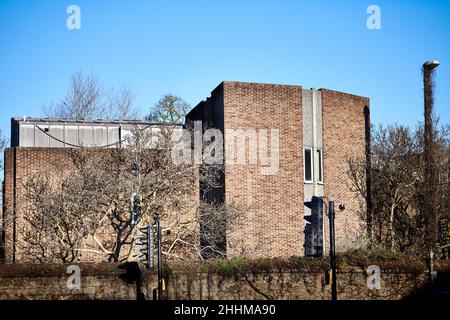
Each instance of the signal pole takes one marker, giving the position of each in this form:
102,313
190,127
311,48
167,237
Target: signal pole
158,236
331,215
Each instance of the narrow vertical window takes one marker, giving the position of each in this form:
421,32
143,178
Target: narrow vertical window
320,165
308,165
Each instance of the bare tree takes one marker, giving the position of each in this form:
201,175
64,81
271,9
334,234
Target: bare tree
119,105
395,151
82,100
87,211
441,150
87,99
53,229
398,189
169,109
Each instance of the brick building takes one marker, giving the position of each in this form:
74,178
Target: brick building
49,147
314,132
317,131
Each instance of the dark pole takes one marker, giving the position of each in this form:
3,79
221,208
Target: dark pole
430,163
149,246
368,175
332,251
158,235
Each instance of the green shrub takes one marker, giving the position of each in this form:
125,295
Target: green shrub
230,267
385,258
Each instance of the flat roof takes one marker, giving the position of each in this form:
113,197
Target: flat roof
93,121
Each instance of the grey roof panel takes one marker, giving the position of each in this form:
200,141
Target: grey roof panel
69,133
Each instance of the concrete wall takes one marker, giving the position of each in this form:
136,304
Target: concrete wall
104,282
312,138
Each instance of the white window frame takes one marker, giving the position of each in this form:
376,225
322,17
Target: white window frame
312,164
319,153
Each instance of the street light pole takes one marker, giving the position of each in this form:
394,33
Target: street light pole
430,163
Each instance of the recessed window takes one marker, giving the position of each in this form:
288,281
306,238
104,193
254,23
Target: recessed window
320,166
308,164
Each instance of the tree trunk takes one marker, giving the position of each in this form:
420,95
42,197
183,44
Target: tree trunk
391,222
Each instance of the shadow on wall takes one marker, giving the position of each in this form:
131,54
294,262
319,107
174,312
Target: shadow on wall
440,289
133,275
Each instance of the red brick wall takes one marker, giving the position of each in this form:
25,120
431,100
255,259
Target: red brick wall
56,161
343,137
8,203
20,164
272,223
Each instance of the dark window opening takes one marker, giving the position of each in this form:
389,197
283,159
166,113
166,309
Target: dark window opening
320,165
308,165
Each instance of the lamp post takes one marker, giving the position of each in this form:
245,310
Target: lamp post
428,69
430,163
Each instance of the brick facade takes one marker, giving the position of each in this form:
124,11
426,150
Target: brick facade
343,137
272,223
22,163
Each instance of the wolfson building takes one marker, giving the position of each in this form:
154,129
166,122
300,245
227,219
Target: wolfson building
282,145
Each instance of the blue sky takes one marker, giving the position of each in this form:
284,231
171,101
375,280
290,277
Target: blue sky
188,47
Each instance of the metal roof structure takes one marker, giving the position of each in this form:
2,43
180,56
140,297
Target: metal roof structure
73,133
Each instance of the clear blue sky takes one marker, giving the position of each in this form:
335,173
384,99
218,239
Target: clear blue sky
188,47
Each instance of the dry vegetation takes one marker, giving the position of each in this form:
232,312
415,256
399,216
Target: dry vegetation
398,188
